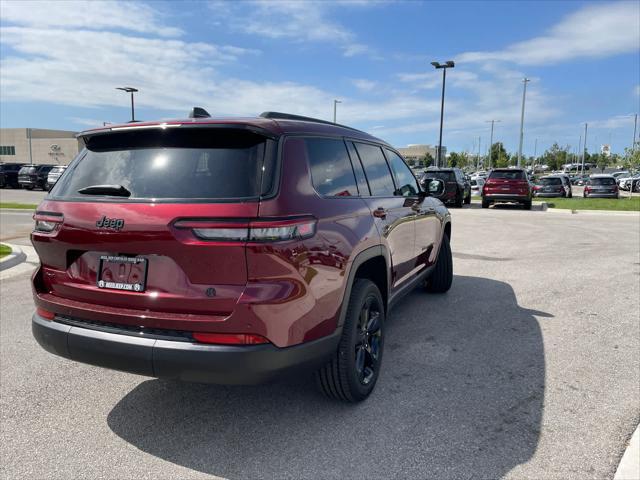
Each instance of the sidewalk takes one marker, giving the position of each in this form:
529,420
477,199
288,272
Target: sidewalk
629,467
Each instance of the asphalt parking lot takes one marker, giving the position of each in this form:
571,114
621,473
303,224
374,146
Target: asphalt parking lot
527,368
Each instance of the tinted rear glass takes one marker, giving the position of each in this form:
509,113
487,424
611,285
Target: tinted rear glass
508,175
26,170
331,170
550,181
446,176
602,181
192,164
376,169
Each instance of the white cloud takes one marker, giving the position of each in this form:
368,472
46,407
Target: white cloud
85,14
364,84
594,31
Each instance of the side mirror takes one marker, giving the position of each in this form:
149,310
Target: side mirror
433,187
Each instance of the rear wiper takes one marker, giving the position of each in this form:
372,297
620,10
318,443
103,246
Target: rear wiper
115,190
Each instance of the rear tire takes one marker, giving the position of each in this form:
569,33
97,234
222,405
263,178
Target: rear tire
527,205
459,200
467,200
442,276
352,373
485,203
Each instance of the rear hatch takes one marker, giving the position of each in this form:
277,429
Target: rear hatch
449,179
137,225
550,185
602,185
507,182
27,174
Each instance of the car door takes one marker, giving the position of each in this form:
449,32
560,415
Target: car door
427,223
394,216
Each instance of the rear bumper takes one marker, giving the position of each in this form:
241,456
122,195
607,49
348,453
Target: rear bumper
549,194
183,360
601,195
506,197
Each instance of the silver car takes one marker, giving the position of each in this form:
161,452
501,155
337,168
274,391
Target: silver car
54,175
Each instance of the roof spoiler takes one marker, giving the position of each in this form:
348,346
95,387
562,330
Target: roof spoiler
199,112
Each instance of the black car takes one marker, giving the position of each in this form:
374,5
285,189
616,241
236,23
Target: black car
457,186
34,176
9,174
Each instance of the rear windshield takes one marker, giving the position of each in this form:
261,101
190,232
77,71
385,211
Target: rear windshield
446,176
192,164
602,181
508,174
26,170
550,181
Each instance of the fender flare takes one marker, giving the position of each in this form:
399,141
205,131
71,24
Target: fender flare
360,258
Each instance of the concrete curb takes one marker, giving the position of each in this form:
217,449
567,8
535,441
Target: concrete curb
16,257
18,210
629,467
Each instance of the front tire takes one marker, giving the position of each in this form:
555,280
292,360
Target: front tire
353,372
442,276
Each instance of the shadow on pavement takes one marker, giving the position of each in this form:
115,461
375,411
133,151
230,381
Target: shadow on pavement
460,396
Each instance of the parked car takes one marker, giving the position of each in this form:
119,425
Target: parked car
553,186
9,175
457,188
631,182
507,185
54,175
580,180
34,176
233,251
621,174
602,185
476,185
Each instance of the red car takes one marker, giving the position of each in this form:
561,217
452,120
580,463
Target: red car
233,251
509,185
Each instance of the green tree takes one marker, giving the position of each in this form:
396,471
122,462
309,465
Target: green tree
555,157
499,157
632,157
460,160
428,160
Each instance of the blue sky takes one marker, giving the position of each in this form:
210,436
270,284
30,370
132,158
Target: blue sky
61,62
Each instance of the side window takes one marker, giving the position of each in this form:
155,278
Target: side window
363,187
405,181
376,169
331,170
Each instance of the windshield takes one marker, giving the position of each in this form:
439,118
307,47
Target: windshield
602,181
550,181
508,175
159,166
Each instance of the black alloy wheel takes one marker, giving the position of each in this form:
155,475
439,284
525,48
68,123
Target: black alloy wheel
369,340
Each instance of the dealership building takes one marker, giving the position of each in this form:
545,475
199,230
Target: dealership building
416,153
39,146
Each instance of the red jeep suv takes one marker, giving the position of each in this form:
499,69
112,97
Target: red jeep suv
234,250
507,185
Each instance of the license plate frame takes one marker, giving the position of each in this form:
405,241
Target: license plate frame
129,268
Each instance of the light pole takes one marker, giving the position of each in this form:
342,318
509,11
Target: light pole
130,90
635,128
335,103
525,80
443,66
584,150
478,157
491,138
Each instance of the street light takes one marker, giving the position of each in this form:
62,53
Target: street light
335,102
524,95
491,141
130,90
443,66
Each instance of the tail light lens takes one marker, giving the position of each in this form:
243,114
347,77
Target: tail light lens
536,187
229,338
253,231
46,314
47,222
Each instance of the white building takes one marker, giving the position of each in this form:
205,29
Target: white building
39,146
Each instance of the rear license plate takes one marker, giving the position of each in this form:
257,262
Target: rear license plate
122,273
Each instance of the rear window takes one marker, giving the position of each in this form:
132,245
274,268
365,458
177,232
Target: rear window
508,175
445,176
192,164
550,181
602,181
27,170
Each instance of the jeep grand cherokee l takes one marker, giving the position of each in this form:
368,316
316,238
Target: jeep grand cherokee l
507,185
232,251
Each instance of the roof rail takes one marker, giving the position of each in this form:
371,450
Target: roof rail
198,112
290,116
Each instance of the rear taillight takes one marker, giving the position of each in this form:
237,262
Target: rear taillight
229,338
47,222
536,187
252,231
46,314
